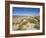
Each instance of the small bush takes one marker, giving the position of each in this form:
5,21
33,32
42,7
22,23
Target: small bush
37,26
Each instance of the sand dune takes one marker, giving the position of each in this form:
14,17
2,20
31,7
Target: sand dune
26,22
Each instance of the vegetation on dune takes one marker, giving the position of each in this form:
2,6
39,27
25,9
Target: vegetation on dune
37,26
21,25
24,21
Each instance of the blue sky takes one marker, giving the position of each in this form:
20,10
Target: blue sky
21,11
